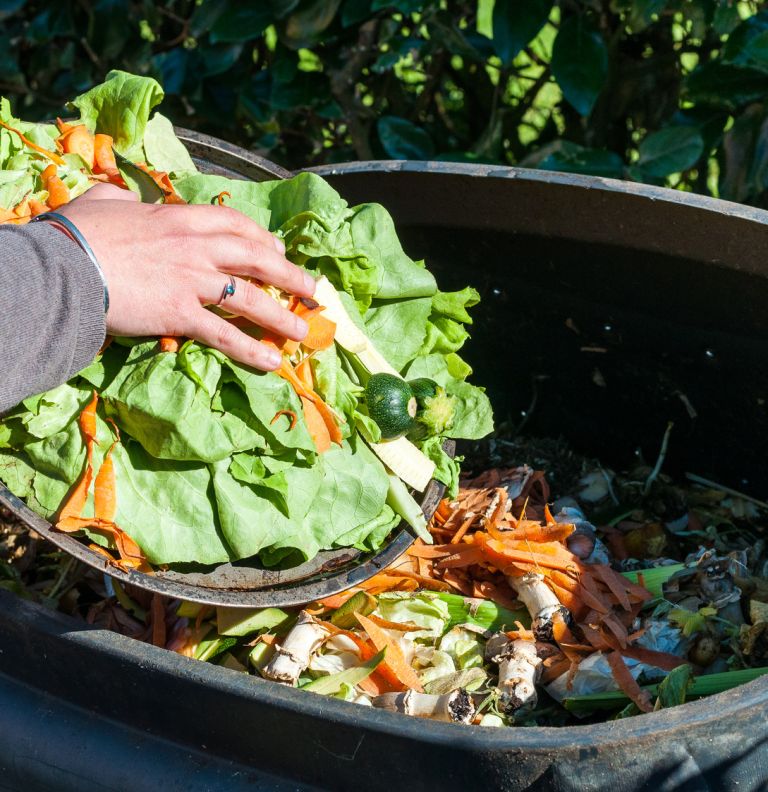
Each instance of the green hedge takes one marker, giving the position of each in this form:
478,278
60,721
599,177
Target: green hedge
665,91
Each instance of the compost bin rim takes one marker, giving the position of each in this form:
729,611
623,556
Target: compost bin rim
736,703
654,193
731,704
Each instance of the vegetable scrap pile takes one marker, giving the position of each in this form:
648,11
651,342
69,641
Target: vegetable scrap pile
164,451
530,608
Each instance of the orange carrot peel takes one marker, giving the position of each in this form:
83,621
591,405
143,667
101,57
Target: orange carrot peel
70,518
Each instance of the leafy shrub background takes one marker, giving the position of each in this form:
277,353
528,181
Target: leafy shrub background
664,91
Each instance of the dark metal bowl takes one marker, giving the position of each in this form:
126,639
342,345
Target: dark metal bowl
243,583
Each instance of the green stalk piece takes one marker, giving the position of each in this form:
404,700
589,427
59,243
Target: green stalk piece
702,686
654,578
344,615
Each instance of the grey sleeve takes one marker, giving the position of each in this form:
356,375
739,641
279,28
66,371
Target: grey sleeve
52,320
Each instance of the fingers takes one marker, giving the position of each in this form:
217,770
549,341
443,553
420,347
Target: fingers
256,260
252,303
220,334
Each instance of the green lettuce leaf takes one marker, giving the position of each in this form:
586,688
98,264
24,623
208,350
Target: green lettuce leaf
397,328
166,507
16,472
422,609
120,107
252,523
445,329
15,185
169,414
163,150
352,494
52,411
250,198
447,468
374,236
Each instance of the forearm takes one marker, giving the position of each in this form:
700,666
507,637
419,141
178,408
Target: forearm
51,310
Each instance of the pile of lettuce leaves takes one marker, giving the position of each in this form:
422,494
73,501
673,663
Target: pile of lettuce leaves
203,475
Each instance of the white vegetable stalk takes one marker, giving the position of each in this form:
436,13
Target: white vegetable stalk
540,601
519,671
295,653
454,707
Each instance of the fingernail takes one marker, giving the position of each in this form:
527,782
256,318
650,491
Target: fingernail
279,245
273,358
302,328
309,283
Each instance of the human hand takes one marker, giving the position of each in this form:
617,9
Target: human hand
163,264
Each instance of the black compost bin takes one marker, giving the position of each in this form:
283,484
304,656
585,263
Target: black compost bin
672,287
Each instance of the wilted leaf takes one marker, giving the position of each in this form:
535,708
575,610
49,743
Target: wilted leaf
691,622
403,140
674,688
328,685
515,23
580,63
670,150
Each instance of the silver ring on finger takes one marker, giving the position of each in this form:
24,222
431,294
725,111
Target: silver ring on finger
228,290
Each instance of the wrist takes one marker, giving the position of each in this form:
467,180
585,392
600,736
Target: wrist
67,227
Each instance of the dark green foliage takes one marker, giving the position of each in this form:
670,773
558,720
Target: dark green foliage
666,91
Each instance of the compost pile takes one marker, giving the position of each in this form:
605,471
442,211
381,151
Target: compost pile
609,596
166,452
531,607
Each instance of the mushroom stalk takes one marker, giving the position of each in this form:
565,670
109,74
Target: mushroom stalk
540,601
293,656
454,707
519,671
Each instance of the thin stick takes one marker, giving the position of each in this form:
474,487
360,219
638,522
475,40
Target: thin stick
736,494
660,461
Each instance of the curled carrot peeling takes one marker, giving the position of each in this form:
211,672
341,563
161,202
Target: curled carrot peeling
220,197
39,149
290,413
